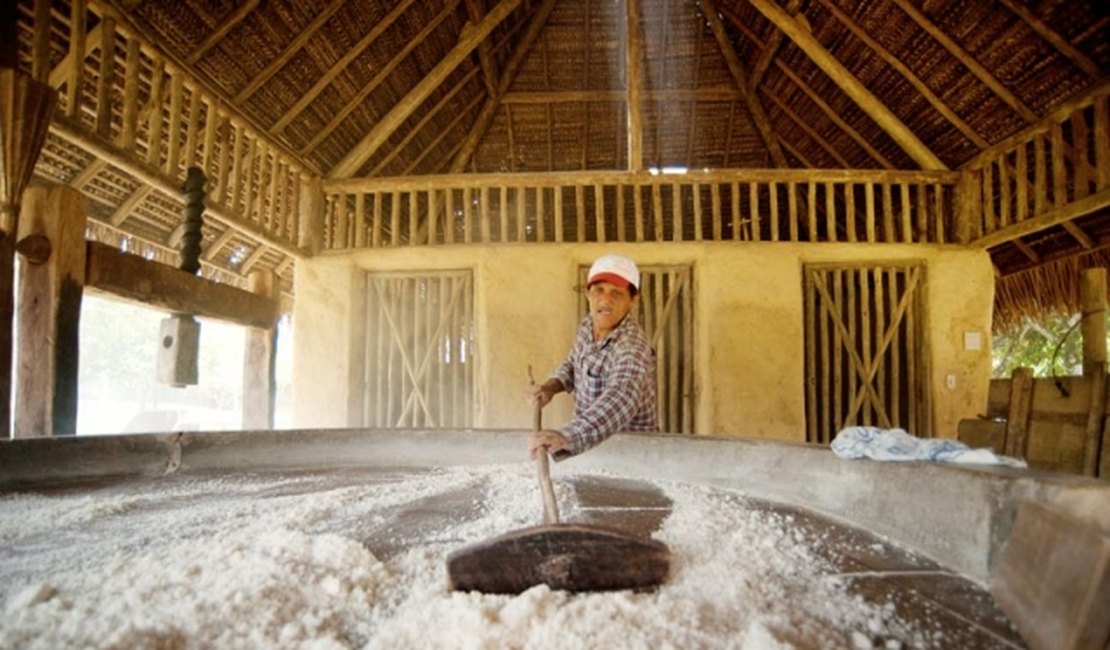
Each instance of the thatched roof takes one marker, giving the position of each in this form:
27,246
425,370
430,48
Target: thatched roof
349,88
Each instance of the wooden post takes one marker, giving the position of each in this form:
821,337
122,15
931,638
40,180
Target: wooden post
51,242
1017,421
1092,297
311,231
260,348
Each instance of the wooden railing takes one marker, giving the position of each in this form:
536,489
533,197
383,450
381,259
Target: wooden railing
731,205
1049,174
123,101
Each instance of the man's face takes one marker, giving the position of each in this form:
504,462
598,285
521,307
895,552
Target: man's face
609,304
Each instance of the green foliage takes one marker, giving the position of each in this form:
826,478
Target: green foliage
1051,347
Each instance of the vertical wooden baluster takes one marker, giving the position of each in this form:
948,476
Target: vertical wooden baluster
106,79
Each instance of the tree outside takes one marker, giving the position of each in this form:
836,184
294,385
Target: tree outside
118,391
1052,347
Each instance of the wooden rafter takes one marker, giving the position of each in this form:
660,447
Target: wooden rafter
339,66
833,116
512,67
443,131
1027,251
634,74
225,27
763,63
294,46
485,59
808,130
1081,60
751,98
85,176
129,204
707,94
252,259
907,74
384,128
424,121
852,86
383,74
220,241
965,58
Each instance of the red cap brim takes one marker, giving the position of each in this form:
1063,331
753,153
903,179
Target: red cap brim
611,278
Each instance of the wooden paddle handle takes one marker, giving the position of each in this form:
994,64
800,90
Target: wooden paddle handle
543,473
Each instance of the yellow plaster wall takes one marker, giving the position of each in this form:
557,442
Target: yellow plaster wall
748,309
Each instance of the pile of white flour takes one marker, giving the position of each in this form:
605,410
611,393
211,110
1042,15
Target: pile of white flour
275,561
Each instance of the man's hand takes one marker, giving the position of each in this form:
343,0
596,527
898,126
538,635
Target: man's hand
552,441
542,393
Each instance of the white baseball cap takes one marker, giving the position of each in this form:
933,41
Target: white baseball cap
616,269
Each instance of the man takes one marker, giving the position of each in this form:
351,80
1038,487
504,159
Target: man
610,368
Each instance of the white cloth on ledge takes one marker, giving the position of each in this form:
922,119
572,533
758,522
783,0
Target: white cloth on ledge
897,445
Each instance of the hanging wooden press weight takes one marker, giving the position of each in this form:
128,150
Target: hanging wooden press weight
179,337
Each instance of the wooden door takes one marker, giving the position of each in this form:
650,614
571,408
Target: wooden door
419,350
666,311
866,349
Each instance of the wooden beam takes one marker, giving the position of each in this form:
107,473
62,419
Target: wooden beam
1027,251
808,130
736,68
217,244
167,288
86,175
1063,214
907,74
969,61
294,46
1081,60
370,185
852,86
485,60
634,73
512,68
771,49
129,204
428,117
833,116
382,74
224,28
384,128
126,161
706,94
339,66
1080,236
47,352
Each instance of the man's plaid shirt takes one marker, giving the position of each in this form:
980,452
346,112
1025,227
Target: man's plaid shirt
613,382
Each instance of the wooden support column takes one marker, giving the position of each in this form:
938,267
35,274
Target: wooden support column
259,355
1092,298
634,73
1017,420
311,223
51,244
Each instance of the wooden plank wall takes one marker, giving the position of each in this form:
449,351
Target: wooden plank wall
1046,420
728,205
